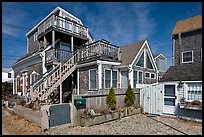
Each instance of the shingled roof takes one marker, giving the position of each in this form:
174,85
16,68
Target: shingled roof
129,52
184,72
188,24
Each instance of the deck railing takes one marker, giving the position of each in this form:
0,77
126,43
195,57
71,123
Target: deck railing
100,48
63,24
58,55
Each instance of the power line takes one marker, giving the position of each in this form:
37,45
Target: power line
14,40
15,26
11,56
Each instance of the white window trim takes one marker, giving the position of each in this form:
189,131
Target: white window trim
104,86
139,77
186,92
90,81
112,78
148,54
139,59
185,52
121,80
149,75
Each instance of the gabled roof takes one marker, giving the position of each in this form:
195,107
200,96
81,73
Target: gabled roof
6,70
129,52
157,55
188,25
184,72
54,11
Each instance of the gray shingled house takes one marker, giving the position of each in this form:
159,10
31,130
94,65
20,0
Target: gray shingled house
62,60
161,62
183,81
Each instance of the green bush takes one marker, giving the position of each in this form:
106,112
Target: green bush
111,99
22,102
6,88
129,96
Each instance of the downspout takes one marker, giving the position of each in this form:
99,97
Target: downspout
180,56
173,51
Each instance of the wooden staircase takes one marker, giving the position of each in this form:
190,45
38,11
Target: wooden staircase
46,89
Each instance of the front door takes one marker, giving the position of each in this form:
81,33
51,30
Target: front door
169,99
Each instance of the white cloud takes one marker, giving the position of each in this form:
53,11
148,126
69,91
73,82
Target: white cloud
14,16
145,23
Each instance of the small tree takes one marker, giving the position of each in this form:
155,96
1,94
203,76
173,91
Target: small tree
129,96
111,99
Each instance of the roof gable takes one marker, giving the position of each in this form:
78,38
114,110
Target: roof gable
188,25
129,52
149,57
160,56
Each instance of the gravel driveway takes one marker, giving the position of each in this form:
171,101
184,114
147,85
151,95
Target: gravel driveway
134,125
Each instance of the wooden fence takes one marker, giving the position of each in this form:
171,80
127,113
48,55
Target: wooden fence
97,99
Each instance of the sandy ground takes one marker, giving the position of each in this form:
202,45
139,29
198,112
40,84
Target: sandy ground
15,125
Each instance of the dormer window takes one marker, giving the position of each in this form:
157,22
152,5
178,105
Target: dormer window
187,57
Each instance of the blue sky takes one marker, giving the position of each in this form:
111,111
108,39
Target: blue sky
119,22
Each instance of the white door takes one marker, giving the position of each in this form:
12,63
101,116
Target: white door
169,105
151,99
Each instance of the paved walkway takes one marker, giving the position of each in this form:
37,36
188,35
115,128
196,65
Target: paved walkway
134,125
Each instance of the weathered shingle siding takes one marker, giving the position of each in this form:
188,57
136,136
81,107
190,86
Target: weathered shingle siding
37,68
32,45
189,41
84,78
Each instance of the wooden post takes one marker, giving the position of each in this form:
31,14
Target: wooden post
60,83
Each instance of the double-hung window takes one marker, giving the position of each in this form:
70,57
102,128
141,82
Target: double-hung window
107,78
92,80
114,79
152,76
187,56
140,77
134,78
147,75
9,75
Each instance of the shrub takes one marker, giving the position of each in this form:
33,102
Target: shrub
22,102
111,99
129,96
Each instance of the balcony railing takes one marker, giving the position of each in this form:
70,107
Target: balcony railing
100,49
58,55
63,24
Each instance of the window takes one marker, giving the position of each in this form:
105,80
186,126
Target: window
147,75
35,36
194,91
187,56
92,79
152,75
124,79
140,78
114,79
134,78
141,61
9,75
149,64
107,78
